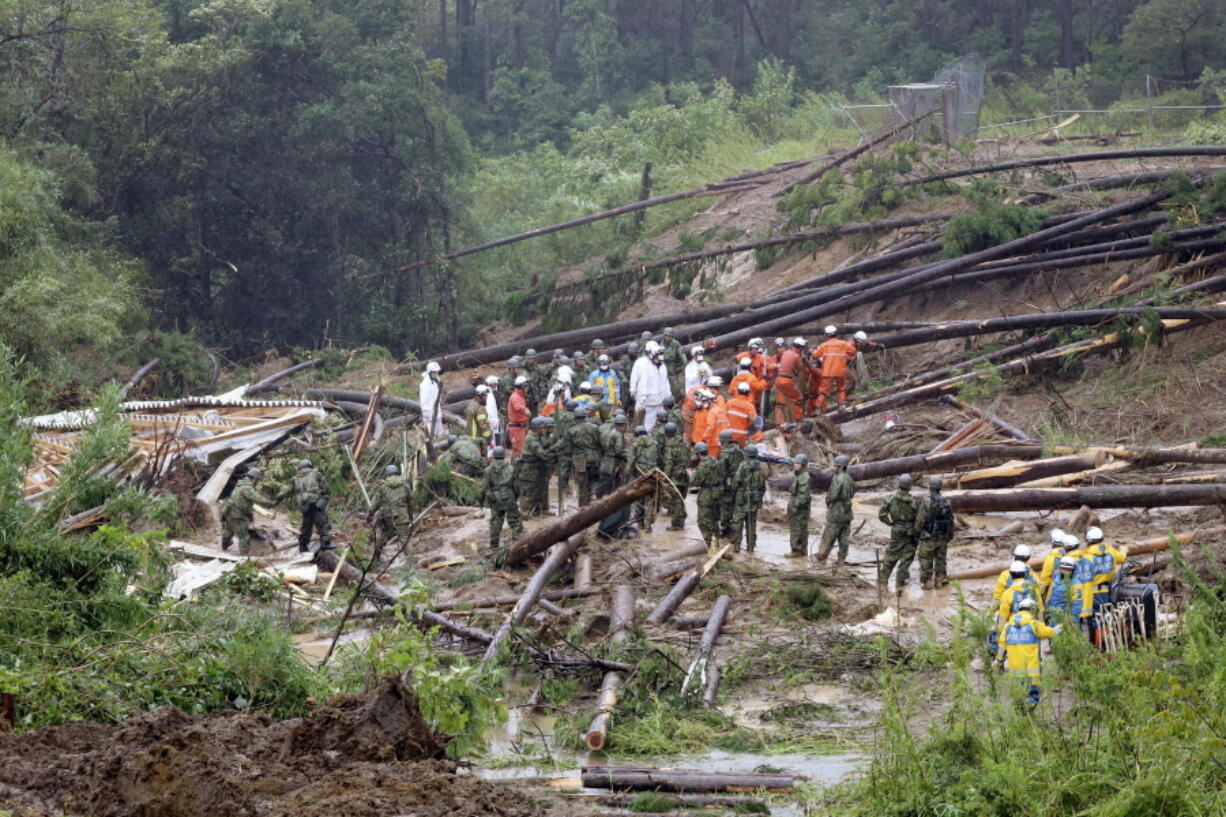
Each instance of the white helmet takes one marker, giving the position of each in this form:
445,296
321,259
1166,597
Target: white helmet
756,343
705,396
861,336
521,381
483,389
704,371
1094,535
1057,536
652,347
433,366
780,342
1018,568
715,381
564,375
1026,604
696,353
491,381
1068,563
831,330
798,341
744,362
743,387
1021,552
585,386
1070,541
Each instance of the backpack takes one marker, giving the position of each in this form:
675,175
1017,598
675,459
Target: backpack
940,522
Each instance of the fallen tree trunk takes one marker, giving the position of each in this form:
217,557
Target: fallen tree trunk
669,604
698,667
391,401
540,540
638,778
1148,546
1010,474
1114,182
532,593
270,383
927,463
696,801
1011,430
503,601
960,437
1092,496
621,616
139,375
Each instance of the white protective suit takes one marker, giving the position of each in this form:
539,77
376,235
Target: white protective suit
695,370
649,385
429,394
491,412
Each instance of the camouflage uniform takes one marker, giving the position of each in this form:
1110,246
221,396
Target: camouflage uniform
467,458
237,513
538,385
643,457
532,474
391,507
933,541
799,506
899,513
311,494
583,443
731,456
612,459
750,483
498,492
673,415
838,516
709,479
674,361
677,456
563,420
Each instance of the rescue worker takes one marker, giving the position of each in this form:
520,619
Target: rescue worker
491,409
671,414
532,468
649,385
745,374
934,522
498,493
559,391
538,381
644,455
518,414
730,458
788,399
584,397
391,507
674,359
696,371
707,479
859,372
838,512
1083,580
750,486
563,420
1020,587
1050,562
899,513
476,419
799,506
311,494
1021,553
603,410
1107,561
466,457
625,367
714,384
583,443
833,357
605,378
677,456
1018,653
238,511
612,455
430,395
1063,601
689,408
715,426
743,418
506,383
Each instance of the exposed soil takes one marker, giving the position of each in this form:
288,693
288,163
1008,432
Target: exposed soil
354,757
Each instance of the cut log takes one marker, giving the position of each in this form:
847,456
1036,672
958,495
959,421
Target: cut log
928,463
638,778
583,571
621,616
504,601
388,400
1013,473
1093,496
532,593
1013,431
698,667
959,438
539,540
669,604
138,376
1081,520
270,383
1114,182
712,687
695,801
1073,158
1137,548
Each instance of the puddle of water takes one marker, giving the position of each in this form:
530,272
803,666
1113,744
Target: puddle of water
314,646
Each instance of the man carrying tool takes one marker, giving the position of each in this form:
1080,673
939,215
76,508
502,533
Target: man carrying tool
311,494
859,372
838,513
899,513
476,418
391,507
238,511
498,493
832,357
799,506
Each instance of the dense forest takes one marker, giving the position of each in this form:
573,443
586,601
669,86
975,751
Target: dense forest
255,173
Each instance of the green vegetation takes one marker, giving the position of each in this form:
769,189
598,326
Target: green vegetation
989,222
1141,734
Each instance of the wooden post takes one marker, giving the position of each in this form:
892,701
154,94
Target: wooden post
621,616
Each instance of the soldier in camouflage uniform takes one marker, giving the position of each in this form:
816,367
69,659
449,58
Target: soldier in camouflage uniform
612,455
934,523
750,484
671,414
466,457
506,384
311,494
731,456
677,457
563,419
710,484
538,381
391,507
498,492
899,513
533,466
838,512
583,443
799,505
674,360
643,457
238,511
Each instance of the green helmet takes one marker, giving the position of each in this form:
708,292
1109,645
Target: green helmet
751,451
841,461
619,419
547,422
304,463
725,436
905,482
640,431
530,353
571,405
580,411
535,422
514,362
597,344
668,401
801,459
392,470
700,448
499,452
670,429
254,473
934,483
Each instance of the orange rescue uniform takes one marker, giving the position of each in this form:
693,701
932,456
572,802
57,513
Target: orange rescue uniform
741,418
787,395
716,421
517,419
756,385
835,356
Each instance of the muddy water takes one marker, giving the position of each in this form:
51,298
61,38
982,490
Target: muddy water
313,646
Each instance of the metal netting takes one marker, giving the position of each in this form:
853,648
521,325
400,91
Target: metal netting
955,94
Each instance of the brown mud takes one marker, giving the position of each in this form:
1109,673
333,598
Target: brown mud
353,756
